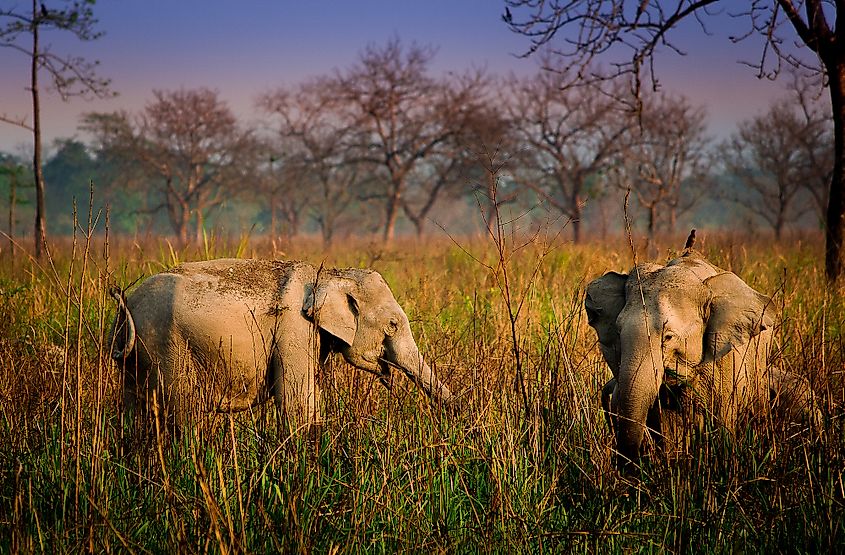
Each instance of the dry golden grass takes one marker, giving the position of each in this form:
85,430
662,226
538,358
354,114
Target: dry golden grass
524,467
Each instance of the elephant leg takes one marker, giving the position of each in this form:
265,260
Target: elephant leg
666,421
179,396
130,386
678,417
293,367
172,389
142,373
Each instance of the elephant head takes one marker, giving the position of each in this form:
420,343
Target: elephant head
674,325
357,308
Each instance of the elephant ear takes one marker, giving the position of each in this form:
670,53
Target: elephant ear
736,314
333,308
604,301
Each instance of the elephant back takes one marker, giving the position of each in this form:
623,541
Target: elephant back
243,278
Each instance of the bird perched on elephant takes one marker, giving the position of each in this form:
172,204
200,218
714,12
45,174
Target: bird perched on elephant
230,334
685,334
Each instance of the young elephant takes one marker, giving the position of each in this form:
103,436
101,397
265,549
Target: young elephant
229,334
684,333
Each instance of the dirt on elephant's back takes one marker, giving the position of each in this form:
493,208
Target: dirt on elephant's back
241,276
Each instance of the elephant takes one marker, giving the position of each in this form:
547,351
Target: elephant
681,337
227,335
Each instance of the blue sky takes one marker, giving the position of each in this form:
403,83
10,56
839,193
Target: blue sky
247,47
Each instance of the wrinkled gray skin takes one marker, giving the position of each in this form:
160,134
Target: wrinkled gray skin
229,334
682,333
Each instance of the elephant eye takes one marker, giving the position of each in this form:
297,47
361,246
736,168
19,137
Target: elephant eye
392,326
668,337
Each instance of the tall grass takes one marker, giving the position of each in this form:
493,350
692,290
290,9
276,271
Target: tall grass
525,465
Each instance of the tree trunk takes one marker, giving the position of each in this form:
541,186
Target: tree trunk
273,215
419,227
179,218
40,228
391,214
576,219
652,222
200,226
417,220
327,232
293,227
179,214
182,228
835,229
13,183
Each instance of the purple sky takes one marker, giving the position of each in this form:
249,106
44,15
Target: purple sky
247,47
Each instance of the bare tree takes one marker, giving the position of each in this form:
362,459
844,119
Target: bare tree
317,142
283,188
479,160
665,163
334,196
21,30
597,28
465,115
189,142
403,118
776,157
573,134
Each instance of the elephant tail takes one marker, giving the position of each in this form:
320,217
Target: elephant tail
123,332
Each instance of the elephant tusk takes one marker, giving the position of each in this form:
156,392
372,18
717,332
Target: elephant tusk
384,376
388,364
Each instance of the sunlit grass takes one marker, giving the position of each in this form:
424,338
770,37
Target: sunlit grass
525,465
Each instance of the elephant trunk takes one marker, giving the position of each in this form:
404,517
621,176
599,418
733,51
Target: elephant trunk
637,389
411,362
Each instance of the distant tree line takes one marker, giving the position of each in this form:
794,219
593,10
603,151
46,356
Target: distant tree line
804,37
385,142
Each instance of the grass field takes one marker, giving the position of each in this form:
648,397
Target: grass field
525,466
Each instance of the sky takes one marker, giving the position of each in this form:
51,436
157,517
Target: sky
242,49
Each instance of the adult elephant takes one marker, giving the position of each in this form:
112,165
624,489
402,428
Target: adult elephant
230,334
682,335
